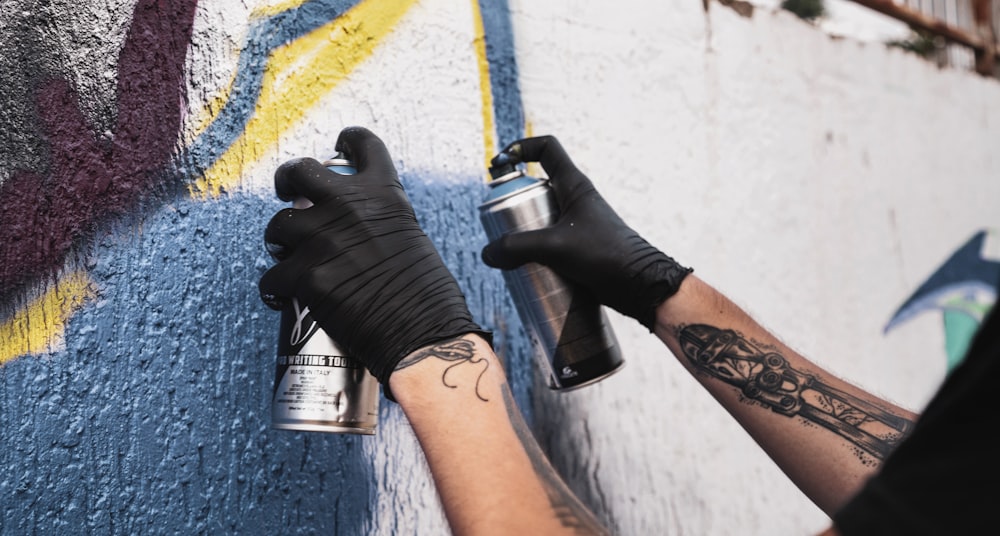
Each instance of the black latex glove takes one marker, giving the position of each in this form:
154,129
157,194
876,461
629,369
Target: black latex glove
589,243
360,261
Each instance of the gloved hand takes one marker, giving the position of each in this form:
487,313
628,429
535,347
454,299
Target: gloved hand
360,261
589,243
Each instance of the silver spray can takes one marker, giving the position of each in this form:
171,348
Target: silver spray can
566,324
316,387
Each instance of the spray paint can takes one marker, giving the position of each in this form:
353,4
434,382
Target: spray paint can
566,324
316,387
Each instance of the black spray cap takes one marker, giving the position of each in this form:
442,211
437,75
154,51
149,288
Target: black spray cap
503,164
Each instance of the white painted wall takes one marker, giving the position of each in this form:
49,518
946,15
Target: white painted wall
816,181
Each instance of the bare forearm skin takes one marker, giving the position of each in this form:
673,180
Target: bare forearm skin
827,435
489,472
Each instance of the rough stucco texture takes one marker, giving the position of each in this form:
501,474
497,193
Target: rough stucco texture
817,181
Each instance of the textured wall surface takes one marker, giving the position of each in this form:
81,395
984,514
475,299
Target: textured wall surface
843,193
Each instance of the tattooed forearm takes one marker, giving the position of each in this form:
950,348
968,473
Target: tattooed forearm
567,507
766,378
459,351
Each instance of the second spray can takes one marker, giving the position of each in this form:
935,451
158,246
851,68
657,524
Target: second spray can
566,324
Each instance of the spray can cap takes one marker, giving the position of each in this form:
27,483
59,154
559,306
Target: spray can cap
503,166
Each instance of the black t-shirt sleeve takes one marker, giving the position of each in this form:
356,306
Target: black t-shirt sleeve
945,477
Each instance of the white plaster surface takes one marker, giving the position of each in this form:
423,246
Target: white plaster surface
816,181
419,92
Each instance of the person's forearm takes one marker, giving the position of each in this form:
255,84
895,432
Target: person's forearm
490,473
825,434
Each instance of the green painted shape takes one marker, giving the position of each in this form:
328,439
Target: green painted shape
959,328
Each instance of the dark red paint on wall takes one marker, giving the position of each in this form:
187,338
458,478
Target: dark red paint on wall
90,177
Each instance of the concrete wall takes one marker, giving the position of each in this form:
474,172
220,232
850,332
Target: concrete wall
829,187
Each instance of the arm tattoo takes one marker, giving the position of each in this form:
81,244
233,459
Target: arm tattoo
459,351
567,507
766,378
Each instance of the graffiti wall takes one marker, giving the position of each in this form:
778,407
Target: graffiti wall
841,192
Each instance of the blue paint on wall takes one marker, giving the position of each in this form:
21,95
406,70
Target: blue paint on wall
155,418
963,288
507,107
965,270
449,214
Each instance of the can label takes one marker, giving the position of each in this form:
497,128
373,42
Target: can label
316,387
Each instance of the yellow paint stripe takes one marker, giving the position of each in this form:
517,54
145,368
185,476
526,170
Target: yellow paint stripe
532,168
204,117
296,77
39,327
485,85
